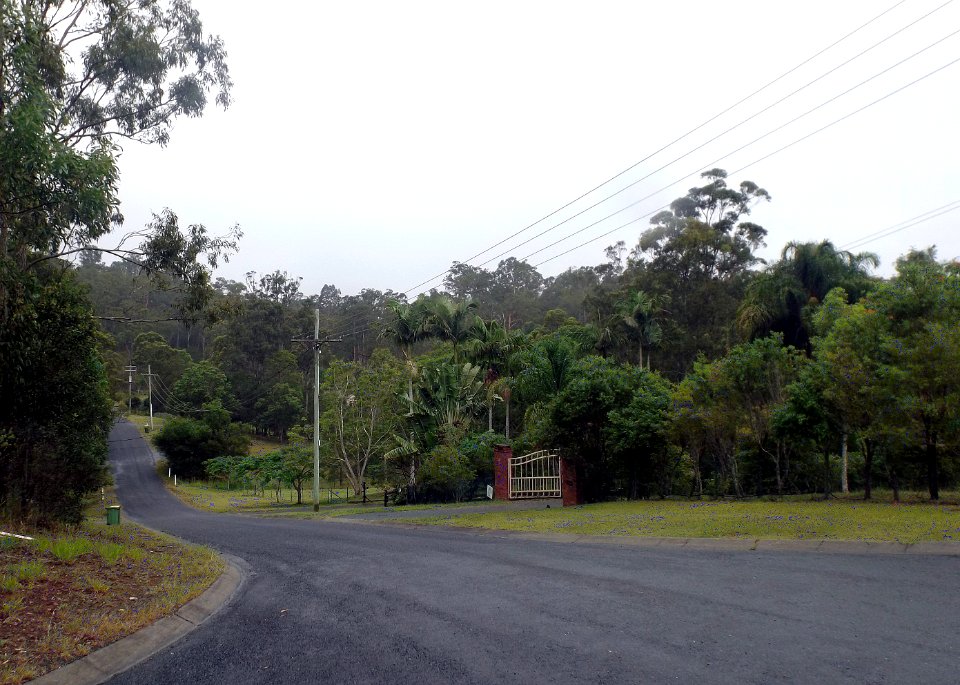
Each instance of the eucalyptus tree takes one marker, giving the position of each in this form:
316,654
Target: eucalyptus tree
753,380
699,253
75,78
361,412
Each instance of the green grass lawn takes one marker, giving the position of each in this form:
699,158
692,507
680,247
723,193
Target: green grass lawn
796,520
210,497
141,421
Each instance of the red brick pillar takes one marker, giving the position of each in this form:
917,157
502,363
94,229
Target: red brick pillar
501,471
568,479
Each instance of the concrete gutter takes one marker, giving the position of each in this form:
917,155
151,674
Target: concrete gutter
103,664
719,544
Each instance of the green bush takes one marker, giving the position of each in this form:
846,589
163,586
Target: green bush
446,472
188,443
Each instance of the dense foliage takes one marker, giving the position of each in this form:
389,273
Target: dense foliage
74,78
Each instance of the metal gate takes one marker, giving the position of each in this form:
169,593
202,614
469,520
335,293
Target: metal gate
535,475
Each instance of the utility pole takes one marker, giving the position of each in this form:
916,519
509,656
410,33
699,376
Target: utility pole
149,376
130,371
317,342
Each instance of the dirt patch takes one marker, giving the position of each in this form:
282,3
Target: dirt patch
63,596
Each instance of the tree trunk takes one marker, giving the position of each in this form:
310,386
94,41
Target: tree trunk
412,482
933,462
735,474
490,415
779,473
844,481
640,348
697,476
826,474
867,468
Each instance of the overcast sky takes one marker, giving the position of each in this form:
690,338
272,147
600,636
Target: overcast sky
372,144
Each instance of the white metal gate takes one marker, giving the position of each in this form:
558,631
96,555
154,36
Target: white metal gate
535,475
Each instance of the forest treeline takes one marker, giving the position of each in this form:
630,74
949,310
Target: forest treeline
682,366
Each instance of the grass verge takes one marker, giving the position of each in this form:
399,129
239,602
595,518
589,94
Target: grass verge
142,423
208,497
65,594
831,520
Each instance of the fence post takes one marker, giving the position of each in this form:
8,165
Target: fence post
569,485
501,471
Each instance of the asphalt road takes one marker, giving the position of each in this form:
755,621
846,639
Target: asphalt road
365,603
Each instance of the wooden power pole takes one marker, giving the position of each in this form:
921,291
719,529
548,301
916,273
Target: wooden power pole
149,375
130,371
317,343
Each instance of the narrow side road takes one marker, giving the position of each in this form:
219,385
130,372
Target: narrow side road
365,603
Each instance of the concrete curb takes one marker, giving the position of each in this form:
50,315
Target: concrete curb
103,664
719,544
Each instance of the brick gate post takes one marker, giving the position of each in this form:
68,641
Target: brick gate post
501,471
570,487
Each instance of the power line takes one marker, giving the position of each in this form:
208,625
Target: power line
903,225
882,230
722,157
752,142
746,166
692,131
717,160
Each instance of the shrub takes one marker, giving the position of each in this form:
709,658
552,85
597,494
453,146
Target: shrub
446,473
188,443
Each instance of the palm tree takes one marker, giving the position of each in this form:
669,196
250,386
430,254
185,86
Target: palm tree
640,311
407,328
449,395
451,321
781,298
820,267
602,336
548,366
512,347
485,349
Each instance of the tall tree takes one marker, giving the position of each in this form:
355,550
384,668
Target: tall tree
73,79
486,349
921,307
407,327
848,350
362,411
699,254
